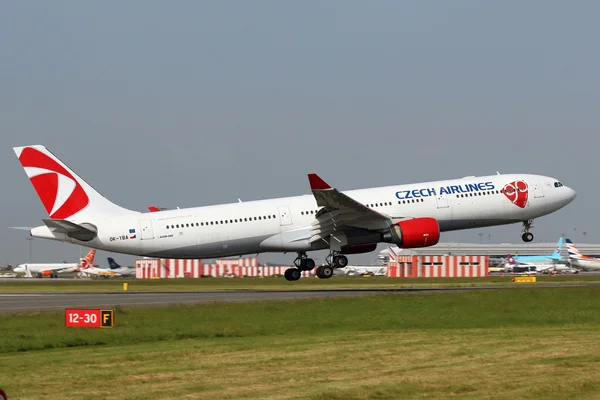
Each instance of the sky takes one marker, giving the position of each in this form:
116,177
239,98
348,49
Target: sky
193,103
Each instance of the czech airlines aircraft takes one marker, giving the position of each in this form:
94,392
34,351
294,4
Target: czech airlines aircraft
342,222
53,269
580,261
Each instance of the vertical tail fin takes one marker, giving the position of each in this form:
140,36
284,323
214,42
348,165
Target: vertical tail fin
510,259
90,256
112,263
62,192
573,251
558,249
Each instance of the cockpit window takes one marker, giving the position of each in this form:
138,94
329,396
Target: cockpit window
558,184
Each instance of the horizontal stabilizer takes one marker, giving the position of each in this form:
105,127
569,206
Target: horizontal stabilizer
79,232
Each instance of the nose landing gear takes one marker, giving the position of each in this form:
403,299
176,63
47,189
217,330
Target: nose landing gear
527,236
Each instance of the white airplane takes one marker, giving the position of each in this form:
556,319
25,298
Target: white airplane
53,269
342,222
578,260
123,271
535,267
87,269
357,270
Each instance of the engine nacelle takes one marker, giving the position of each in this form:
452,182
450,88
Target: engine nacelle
359,249
412,233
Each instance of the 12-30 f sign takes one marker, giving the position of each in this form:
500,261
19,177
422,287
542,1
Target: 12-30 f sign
88,318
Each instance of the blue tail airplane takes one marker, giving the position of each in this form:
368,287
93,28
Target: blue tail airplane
123,271
554,257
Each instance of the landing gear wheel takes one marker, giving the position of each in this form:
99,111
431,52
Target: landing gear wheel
309,264
340,261
303,263
527,237
324,272
292,274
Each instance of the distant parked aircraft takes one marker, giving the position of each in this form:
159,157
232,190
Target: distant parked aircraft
53,269
578,260
123,271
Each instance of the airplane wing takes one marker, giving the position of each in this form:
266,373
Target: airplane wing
71,229
341,211
61,270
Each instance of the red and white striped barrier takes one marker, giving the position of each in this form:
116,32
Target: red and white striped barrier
438,266
155,268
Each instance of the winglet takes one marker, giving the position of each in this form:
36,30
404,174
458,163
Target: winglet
153,209
316,183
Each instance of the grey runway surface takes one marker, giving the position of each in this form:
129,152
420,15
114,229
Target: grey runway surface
27,302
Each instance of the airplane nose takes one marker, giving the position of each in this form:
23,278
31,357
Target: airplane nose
571,194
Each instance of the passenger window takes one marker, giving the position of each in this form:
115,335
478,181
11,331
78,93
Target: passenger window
167,226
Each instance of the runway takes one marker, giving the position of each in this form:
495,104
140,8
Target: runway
36,301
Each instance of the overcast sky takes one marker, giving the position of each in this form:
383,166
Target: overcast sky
191,103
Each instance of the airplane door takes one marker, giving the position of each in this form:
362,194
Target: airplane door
146,228
284,215
537,190
442,201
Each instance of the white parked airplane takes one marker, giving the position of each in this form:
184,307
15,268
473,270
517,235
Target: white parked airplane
53,269
88,269
342,222
578,260
357,270
123,271
534,267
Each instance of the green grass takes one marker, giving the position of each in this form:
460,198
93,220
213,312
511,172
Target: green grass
272,283
529,344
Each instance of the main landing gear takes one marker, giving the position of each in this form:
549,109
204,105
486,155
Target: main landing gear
527,236
334,260
303,263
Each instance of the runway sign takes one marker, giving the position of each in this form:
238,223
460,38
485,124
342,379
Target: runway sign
89,318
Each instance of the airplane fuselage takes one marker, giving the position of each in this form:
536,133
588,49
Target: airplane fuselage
35,268
283,224
587,265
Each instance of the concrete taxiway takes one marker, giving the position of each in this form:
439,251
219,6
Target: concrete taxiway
27,302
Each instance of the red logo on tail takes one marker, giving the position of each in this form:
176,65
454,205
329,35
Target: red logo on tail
517,192
61,194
